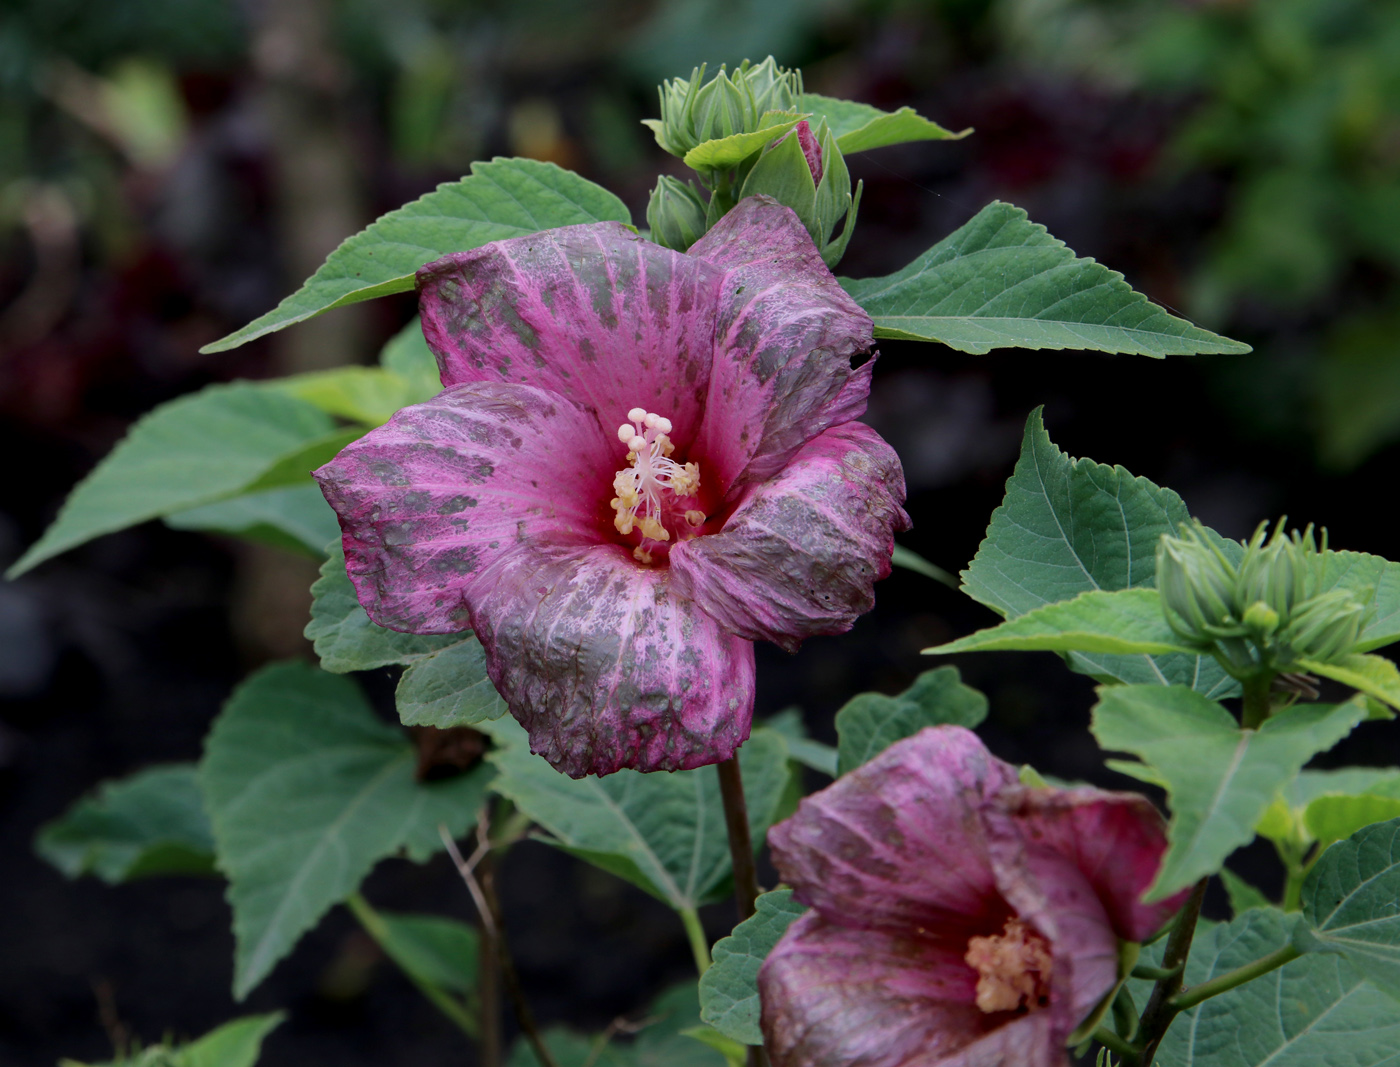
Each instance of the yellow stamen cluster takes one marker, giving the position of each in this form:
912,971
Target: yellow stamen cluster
1013,968
652,472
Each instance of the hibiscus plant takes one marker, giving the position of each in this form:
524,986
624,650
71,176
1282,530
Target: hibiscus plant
603,463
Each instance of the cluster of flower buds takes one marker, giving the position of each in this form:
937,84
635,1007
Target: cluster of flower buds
676,213
1264,610
694,111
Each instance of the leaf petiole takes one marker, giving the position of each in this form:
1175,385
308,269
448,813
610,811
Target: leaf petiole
1238,977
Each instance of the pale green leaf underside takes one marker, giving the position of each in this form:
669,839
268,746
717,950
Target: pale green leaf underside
729,989
870,722
725,152
859,127
1334,818
150,823
1220,779
662,832
295,517
1121,621
1349,902
306,790
195,450
1373,675
501,199
1001,281
1314,1012
1069,526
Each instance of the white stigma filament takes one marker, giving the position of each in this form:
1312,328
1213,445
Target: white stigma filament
639,487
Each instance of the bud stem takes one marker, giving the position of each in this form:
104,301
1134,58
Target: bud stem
1258,703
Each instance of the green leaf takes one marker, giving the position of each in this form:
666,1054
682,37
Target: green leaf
214,444
1349,904
501,199
369,395
151,823
449,688
435,950
344,637
662,832
664,1043
408,356
723,153
1332,818
1375,676
729,989
870,722
1068,526
1243,896
235,1044
735,1053
802,748
1220,778
307,790
296,518
1001,281
296,467
1122,621
570,1049
1316,1010
859,127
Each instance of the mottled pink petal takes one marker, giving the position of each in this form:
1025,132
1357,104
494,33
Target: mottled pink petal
606,666
802,552
594,312
833,996
898,842
785,336
1116,840
430,499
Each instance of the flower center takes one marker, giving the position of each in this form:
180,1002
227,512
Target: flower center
642,489
1013,968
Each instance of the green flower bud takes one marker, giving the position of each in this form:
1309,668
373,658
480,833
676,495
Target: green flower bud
1325,627
694,111
676,213
806,171
1197,584
1279,572
1261,618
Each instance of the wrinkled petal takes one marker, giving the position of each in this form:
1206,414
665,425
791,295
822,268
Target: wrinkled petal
594,312
802,552
898,842
833,996
1115,840
785,335
607,666
430,499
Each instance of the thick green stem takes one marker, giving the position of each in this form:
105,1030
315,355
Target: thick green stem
442,1000
698,943
1239,976
1258,704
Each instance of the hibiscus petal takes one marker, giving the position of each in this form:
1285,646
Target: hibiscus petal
607,666
431,498
899,842
833,996
802,552
784,339
1116,840
594,312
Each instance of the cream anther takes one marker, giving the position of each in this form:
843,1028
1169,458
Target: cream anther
640,487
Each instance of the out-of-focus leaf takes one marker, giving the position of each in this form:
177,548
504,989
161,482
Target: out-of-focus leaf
296,518
870,722
860,127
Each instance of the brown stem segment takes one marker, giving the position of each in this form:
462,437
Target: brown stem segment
736,820
510,977
1160,1012
488,981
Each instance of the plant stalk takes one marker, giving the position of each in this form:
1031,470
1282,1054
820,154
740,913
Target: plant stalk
1239,976
736,820
441,999
1258,703
699,945
488,984
1158,1014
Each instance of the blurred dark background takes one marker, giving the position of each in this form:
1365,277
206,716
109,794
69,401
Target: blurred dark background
170,168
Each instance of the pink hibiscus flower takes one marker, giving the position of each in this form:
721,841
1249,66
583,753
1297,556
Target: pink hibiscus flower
642,462
959,919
